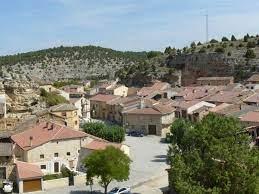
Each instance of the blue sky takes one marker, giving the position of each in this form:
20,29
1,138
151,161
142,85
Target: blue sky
121,24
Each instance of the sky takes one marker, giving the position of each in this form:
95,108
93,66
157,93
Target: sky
135,25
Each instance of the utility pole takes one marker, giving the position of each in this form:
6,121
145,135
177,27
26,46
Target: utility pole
207,27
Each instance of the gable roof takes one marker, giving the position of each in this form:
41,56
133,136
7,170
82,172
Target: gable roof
252,116
104,97
45,132
28,171
144,111
254,78
62,107
214,78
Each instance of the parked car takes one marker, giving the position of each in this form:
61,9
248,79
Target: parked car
122,190
7,186
136,134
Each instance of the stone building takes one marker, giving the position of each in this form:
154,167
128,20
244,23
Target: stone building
150,120
254,79
214,81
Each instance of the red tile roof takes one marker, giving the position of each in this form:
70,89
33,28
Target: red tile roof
28,171
104,97
251,117
254,98
44,132
254,78
144,111
215,78
100,145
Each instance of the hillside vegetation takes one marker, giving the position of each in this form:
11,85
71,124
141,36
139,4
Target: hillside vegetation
70,62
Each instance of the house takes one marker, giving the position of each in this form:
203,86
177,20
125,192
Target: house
99,107
118,90
83,106
65,114
251,118
7,170
214,81
254,79
117,106
2,106
74,91
232,97
252,100
150,119
29,177
193,110
252,86
50,146
156,91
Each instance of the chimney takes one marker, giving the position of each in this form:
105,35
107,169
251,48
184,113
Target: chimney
47,125
142,103
51,127
31,138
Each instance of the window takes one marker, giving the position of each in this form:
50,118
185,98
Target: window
43,167
75,122
64,114
42,156
68,153
56,155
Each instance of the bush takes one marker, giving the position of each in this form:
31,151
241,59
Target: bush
199,44
51,98
233,38
225,39
52,176
112,133
229,53
251,44
153,54
246,37
250,54
202,50
59,84
240,45
220,50
213,41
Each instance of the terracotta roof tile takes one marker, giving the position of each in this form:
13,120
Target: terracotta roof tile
215,78
62,107
254,78
104,97
27,171
252,116
100,145
144,111
44,132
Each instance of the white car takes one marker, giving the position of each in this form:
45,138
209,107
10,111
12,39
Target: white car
122,190
7,187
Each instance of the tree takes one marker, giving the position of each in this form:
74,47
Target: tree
107,165
213,41
224,39
219,50
168,50
212,156
199,44
153,54
251,44
112,133
246,37
193,45
250,54
233,38
202,50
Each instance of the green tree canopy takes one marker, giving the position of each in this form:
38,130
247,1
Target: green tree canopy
233,38
212,156
250,54
107,165
112,133
224,39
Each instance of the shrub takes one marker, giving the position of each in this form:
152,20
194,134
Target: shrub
213,41
193,45
51,98
202,50
233,38
153,54
199,44
251,44
59,84
246,37
112,133
224,39
229,54
220,50
240,45
231,44
250,54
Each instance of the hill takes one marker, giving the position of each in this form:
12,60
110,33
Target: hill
70,62
228,57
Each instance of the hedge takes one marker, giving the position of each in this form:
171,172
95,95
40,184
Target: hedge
112,133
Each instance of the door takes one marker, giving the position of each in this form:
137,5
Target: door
56,167
152,129
2,172
71,180
32,185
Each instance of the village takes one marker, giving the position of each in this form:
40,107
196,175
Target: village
41,141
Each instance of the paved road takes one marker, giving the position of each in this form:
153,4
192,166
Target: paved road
149,160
